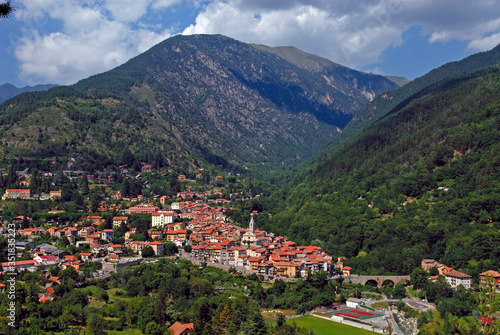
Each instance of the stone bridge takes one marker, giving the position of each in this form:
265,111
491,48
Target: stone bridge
377,281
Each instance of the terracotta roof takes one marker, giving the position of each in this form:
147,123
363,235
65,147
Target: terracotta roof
457,274
491,273
44,299
178,328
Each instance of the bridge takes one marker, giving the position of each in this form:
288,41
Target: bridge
377,281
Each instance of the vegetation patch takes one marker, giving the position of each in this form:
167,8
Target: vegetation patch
325,327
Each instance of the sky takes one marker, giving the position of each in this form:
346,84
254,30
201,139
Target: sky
63,41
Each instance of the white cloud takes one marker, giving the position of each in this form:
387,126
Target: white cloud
90,41
485,43
352,39
97,35
348,32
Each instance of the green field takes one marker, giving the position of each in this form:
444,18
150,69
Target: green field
325,327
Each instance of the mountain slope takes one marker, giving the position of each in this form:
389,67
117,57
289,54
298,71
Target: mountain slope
212,90
92,131
386,102
422,182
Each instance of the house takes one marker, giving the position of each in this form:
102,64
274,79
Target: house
93,218
107,234
52,231
45,299
137,246
86,231
54,194
146,208
443,269
162,218
19,265
181,177
346,271
70,231
85,256
114,248
118,220
180,329
157,247
155,234
16,193
354,303
47,259
455,278
93,239
493,274
146,168
129,233
2,288
428,264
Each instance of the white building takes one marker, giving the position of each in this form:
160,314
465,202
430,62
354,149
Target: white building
354,303
162,218
455,278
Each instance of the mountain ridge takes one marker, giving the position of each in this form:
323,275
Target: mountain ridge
206,91
8,90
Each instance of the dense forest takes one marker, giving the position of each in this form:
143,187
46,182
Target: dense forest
420,183
151,297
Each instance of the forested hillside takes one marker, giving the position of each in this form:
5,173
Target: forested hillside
91,129
423,182
394,100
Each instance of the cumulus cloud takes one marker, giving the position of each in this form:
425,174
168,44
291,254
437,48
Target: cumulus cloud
95,37
353,33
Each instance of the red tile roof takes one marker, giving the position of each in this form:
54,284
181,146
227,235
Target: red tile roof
179,328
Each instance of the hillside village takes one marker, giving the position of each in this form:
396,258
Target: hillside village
209,233
197,219
203,229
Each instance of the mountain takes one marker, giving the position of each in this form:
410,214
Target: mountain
421,182
223,101
387,102
400,81
8,91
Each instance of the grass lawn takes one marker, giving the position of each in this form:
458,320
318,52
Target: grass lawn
414,293
325,327
381,305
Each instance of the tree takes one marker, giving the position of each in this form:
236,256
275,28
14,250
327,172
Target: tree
103,295
152,328
95,324
489,303
399,292
5,9
147,252
419,278
68,273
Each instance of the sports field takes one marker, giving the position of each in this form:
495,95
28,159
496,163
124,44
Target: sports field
325,327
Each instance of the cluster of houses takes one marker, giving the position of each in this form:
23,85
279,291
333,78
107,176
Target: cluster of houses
457,278
215,239
207,229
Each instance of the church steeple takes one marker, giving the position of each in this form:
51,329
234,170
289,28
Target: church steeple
251,226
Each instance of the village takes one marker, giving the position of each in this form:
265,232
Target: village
196,226
188,225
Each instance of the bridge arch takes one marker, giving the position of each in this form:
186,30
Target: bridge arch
377,281
388,282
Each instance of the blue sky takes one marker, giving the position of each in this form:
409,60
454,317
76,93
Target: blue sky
63,41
